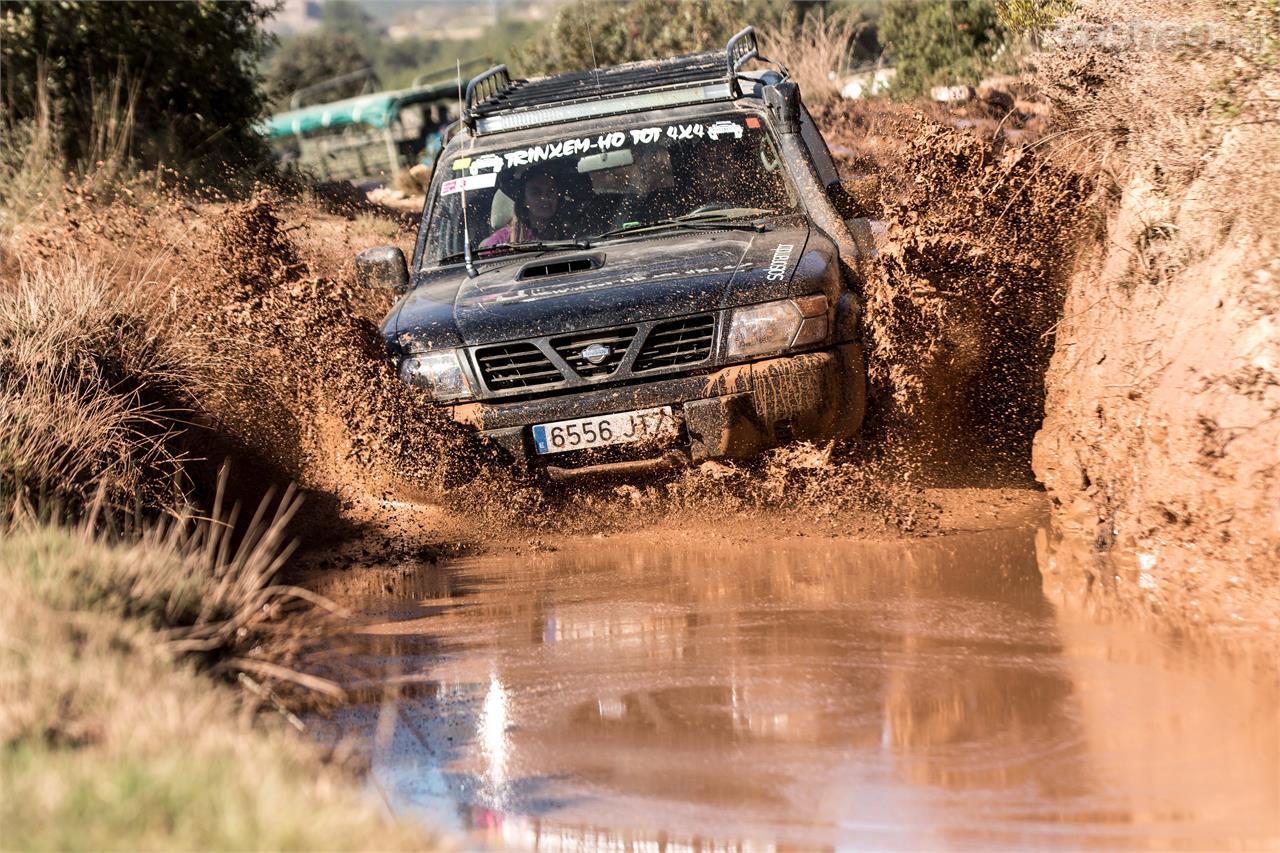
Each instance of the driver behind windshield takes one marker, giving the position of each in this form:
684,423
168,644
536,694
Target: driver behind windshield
542,196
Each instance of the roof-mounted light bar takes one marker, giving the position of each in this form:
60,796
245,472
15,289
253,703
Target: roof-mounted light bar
603,107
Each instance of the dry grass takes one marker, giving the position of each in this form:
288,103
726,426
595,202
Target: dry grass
818,55
188,586
30,163
34,175
94,377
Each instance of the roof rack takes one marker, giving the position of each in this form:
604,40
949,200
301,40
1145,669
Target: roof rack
740,50
495,102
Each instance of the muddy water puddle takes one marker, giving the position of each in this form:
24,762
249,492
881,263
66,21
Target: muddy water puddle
693,692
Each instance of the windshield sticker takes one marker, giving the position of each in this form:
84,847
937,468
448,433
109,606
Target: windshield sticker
722,128
685,131
486,163
470,182
494,163
778,265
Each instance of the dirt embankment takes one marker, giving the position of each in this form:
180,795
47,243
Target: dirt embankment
1161,438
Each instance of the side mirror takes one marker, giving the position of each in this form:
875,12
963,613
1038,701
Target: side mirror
383,266
857,197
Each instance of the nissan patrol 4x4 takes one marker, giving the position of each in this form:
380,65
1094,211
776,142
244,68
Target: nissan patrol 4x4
634,267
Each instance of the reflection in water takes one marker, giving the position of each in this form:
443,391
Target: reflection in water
812,693
492,728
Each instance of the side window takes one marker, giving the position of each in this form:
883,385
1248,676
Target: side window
822,160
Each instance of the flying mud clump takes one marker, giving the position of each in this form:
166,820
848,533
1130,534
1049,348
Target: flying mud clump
970,280
312,390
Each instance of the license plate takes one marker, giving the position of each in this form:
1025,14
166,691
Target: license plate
620,428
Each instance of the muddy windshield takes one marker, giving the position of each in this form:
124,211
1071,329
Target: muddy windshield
581,187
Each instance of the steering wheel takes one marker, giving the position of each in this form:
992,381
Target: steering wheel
707,208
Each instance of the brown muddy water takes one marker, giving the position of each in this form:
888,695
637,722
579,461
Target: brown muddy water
697,690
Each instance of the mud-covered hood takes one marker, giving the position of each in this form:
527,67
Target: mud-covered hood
659,276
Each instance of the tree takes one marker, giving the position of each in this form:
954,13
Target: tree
309,59
189,67
939,42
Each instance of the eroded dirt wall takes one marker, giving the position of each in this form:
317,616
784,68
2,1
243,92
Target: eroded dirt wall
1162,418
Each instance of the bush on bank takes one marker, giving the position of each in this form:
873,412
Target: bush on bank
937,43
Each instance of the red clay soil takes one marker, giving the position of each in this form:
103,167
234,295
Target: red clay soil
1161,439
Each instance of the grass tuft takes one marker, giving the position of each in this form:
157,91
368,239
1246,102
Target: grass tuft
93,377
108,728
818,53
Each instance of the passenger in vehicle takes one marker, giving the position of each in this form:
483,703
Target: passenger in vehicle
544,201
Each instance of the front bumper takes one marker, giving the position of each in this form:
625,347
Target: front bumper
732,413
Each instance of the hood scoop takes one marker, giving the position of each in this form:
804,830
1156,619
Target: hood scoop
560,266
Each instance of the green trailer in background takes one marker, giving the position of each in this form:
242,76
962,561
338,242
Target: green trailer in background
372,136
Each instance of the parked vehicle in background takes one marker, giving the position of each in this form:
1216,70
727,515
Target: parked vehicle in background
372,136
634,268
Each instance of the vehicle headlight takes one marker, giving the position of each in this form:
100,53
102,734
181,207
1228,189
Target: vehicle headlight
438,372
777,326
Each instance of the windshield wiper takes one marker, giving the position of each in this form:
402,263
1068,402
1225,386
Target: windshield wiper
531,246
707,220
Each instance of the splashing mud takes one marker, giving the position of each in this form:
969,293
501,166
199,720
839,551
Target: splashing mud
315,394
318,395
303,391
969,283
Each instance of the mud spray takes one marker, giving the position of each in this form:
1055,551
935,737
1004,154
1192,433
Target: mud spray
962,302
960,311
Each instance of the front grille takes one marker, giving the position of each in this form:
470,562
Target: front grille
515,366
617,340
676,342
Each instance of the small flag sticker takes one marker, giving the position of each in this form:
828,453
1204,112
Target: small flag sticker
752,121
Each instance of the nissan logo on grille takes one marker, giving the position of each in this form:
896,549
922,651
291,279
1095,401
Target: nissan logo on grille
595,353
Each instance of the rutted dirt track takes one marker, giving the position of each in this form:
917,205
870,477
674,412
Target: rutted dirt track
869,650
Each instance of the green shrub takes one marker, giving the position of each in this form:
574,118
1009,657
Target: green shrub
1031,18
940,42
189,67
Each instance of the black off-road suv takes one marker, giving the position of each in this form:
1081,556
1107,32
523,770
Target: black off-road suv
634,267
